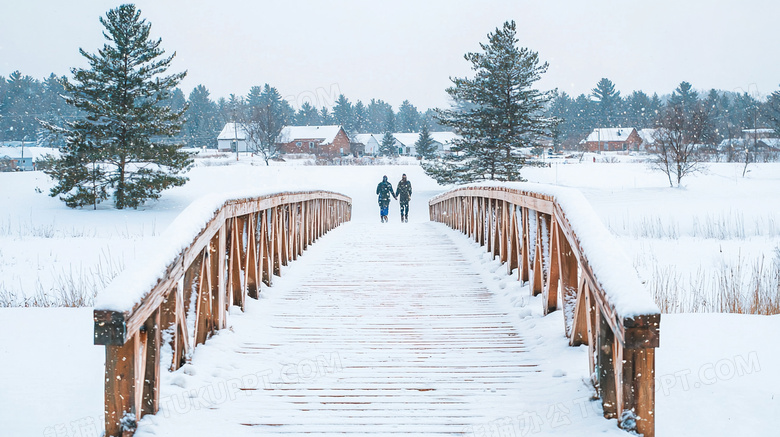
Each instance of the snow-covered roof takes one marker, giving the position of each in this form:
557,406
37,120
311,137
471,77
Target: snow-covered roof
326,134
772,142
759,131
610,134
29,152
407,139
647,135
366,138
232,131
444,137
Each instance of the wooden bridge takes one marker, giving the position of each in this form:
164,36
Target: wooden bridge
390,337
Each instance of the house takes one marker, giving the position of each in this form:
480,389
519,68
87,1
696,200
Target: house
15,158
770,145
612,139
232,137
370,143
443,141
648,138
757,134
321,141
405,143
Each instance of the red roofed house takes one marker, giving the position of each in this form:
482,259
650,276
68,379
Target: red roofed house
613,139
321,141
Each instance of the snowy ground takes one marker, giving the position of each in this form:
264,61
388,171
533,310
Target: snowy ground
709,365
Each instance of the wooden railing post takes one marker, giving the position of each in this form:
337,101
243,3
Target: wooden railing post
121,409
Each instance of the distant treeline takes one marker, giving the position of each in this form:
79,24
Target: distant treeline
24,100
727,112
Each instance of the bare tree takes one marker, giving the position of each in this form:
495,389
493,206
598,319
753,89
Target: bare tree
682,129
262,127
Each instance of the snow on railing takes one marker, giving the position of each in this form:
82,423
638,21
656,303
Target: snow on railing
213,255
557,243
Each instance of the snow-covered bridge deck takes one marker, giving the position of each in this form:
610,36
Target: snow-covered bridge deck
380,329
376,330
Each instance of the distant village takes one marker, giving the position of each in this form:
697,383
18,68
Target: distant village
332,141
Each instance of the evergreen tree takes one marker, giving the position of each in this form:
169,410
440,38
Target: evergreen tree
638,111
253,99
342,113
19,108
390,120
496,114
387,147
425,145
562,108
359,118
608,103
51,108
684,95
203,125
377,116
117,148
408,118
325,117
773,111
307,116
429,119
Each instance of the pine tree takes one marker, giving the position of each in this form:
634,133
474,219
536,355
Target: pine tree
773,111
408,118
118,148
202,126
425,145
387,147
608,103
359,117
325,117
684,95
496,114
18,105
377,115
307,115
342,113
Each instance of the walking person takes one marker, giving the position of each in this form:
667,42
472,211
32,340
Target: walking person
404,193
384,190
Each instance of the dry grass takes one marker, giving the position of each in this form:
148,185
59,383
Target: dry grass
732,289
75,287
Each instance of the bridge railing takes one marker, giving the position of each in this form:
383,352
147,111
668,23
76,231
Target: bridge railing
558,244
214,255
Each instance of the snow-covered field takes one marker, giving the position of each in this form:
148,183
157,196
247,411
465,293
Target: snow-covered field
716,374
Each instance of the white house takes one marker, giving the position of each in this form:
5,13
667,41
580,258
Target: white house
443,141
648,138
232,136
371,143
405,142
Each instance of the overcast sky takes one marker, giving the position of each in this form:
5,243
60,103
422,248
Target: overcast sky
398,49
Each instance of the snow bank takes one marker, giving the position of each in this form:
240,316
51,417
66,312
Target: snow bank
610,265
132,285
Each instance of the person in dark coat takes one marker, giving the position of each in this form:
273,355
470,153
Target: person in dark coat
384,190
404,193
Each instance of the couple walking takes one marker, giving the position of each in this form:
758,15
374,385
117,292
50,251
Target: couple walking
402,193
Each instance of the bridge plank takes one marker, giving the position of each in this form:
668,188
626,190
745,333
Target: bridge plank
417,346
